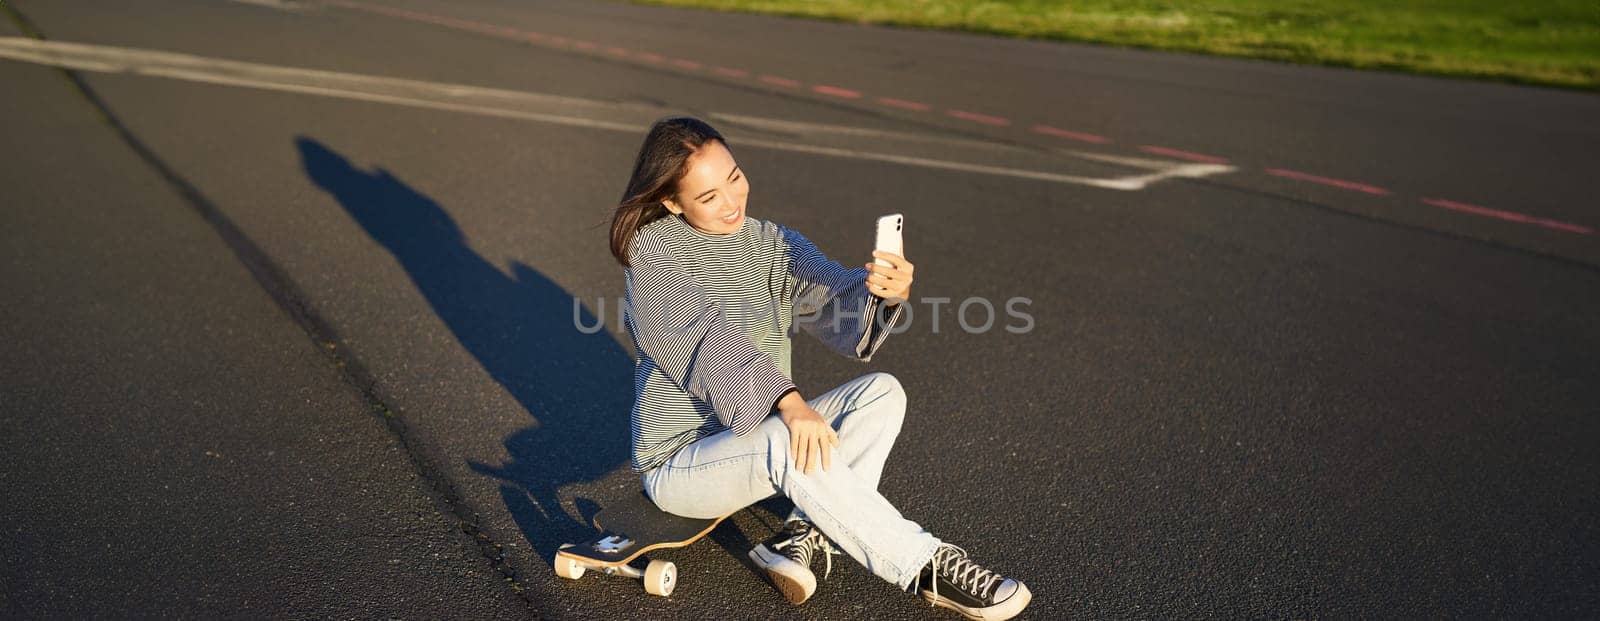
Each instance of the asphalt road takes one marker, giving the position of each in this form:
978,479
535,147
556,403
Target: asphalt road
1304,342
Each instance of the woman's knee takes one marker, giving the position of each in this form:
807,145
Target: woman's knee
891,398
777,437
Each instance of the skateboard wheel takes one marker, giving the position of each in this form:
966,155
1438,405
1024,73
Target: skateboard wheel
568,568
660,577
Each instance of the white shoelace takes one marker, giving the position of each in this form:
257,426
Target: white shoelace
803,549
952,561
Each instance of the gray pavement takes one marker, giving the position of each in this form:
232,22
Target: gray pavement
1241,396
176,445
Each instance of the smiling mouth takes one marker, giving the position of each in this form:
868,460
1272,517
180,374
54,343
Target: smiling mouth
731,217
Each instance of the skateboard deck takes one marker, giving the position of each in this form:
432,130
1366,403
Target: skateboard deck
627,530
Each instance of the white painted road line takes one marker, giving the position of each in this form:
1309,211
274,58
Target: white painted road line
523,105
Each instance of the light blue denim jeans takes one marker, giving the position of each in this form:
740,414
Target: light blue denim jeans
723,473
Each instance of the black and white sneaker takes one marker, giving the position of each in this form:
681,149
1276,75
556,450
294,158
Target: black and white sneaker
786,559
952,580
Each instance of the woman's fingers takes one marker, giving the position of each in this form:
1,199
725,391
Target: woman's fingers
892,279
825,443
795,442
815,449
828,442
873,269
804,445
821,447
889,256
896,262
886,287
881,286
811,444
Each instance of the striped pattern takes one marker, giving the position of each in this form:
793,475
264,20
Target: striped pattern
710,317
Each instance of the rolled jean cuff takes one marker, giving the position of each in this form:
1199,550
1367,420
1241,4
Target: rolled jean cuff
926,556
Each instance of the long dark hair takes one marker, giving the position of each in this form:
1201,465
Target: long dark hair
662,161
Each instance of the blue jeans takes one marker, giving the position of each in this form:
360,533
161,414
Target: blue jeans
723,473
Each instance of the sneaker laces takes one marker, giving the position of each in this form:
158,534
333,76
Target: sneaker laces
803,543
951,561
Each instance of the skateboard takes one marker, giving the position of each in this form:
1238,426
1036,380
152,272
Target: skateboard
628,529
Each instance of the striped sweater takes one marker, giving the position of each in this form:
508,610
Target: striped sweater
710,316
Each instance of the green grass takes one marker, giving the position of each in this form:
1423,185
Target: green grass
1544,42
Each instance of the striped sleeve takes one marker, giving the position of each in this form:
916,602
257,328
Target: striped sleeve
834,305
683,331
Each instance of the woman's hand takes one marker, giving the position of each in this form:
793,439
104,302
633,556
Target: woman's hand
811,439
892,283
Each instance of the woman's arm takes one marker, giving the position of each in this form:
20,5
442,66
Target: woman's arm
683,331
834,304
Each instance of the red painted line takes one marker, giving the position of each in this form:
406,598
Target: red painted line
772,79
737,73
1070,135
490,29
1183,155
837,92
649,57
901,103
618,51
1328,181
464,24
981,118
386,10
1509,215
686,64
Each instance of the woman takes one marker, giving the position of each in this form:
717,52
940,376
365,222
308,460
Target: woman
718,425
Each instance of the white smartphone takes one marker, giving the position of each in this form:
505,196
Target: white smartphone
890,228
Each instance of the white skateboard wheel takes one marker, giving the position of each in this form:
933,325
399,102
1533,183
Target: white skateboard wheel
568,568
660,577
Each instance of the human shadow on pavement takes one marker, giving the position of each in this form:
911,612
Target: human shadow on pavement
520,327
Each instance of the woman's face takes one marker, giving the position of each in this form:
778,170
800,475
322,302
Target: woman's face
711,195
